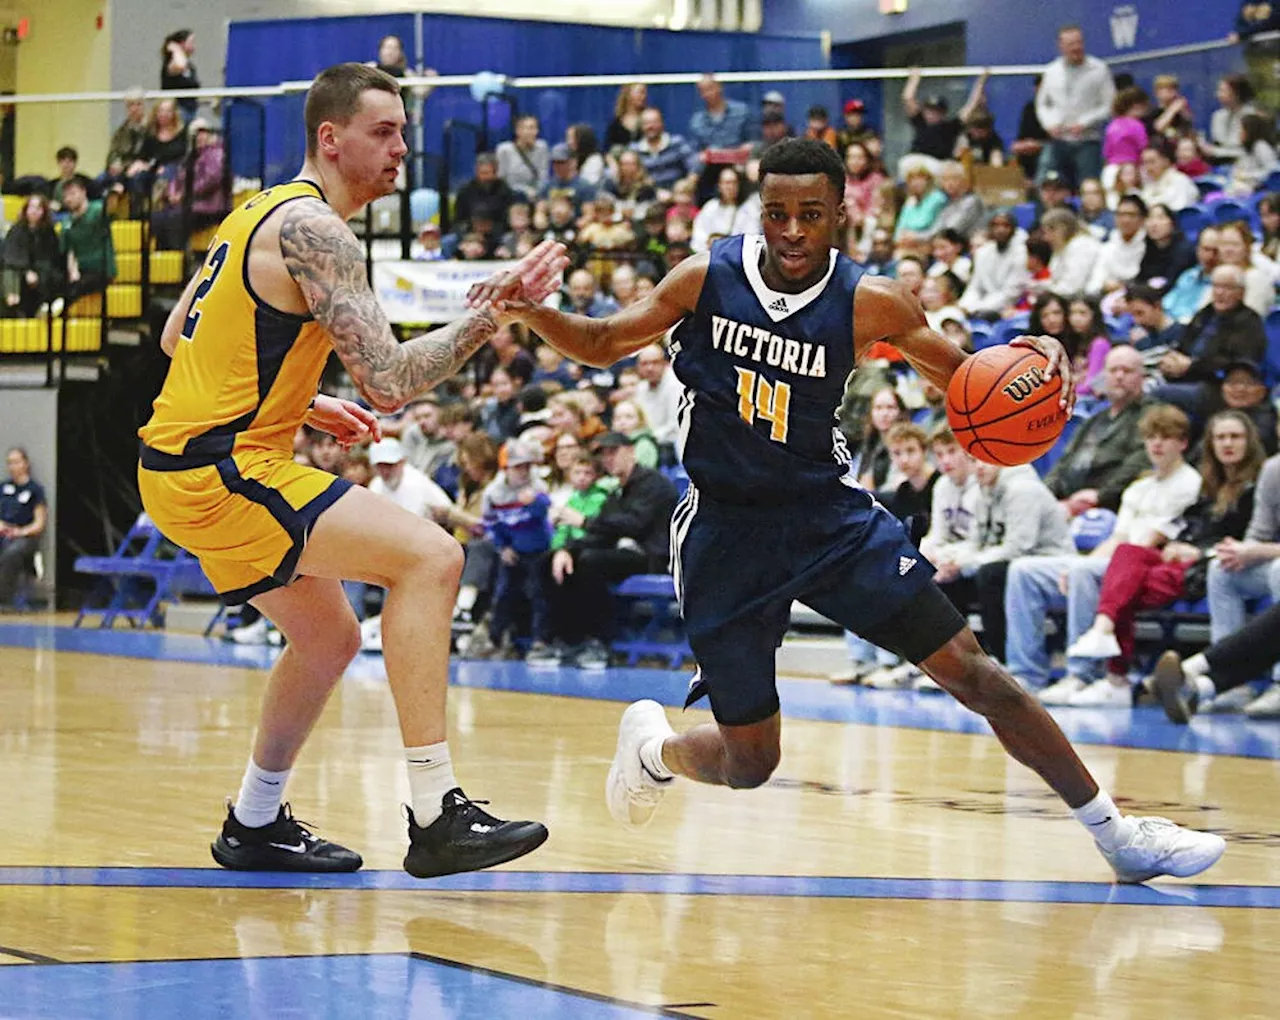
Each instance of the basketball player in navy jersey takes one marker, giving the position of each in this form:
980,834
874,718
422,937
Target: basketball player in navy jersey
767,330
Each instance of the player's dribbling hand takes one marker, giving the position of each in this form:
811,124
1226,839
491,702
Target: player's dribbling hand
1052,349
348,423
529,282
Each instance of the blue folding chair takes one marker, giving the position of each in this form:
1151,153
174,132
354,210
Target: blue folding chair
143,572
662,633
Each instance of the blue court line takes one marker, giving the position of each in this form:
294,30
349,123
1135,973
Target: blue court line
815,887
332,987
1143,728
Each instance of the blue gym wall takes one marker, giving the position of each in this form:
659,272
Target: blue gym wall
465,45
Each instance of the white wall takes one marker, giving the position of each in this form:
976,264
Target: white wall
142,24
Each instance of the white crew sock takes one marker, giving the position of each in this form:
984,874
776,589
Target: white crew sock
430,778
1204,687
1195,666
651,758
1106,825
260,795
467,596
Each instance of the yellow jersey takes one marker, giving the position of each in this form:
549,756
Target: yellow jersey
244,373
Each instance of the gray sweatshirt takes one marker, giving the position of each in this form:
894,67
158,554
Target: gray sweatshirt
1018,516
1264,526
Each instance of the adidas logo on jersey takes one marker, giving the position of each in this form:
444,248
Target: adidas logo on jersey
905,563
779,306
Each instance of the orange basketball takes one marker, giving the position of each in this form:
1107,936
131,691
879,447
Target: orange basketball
1001,408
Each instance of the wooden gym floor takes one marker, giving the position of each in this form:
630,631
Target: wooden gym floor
897,866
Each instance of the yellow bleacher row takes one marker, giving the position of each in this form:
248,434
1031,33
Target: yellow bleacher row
83,331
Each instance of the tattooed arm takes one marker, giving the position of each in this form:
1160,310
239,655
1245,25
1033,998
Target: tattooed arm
328,265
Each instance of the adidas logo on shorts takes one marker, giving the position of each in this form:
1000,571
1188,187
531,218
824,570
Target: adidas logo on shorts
779,306
905,563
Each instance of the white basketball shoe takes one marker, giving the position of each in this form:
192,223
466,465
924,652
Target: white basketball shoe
1161,847
631,792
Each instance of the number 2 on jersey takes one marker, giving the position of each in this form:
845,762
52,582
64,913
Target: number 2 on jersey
212,269
758,398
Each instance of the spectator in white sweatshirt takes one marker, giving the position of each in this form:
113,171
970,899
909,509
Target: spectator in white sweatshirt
1075,252
1163,183
955,499
1016,516
999,270
1121,256
1149,510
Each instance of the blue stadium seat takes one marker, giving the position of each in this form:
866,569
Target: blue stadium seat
1193,219
1025,215
679,477
982,334
1091,528
1006,331
1229,211
1209,185
1271,369
652,598
1044,463
143,573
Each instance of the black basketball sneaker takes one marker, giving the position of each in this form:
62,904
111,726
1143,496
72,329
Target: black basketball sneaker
465,838
284,845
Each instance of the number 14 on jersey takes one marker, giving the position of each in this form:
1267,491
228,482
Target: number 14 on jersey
759,398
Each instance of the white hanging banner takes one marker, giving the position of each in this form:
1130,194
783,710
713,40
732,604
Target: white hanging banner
428,292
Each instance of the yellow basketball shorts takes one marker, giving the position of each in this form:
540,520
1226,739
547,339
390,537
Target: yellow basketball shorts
246,517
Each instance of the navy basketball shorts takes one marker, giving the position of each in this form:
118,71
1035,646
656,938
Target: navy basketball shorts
737,570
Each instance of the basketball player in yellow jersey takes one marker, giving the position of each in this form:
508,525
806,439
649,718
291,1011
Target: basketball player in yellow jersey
283,284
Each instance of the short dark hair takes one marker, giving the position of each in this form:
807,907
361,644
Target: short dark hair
67,152
1143,292
818,113
335,95
1041,249
792,157
1241,86
1133,200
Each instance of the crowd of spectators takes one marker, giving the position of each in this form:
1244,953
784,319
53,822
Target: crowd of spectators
559,480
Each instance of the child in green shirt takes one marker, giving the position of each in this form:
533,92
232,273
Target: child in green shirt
587,499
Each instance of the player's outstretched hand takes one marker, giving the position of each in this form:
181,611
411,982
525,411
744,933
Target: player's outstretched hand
348,423
529,282
1052,349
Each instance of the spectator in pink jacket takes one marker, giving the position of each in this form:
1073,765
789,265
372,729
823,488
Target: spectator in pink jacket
1126,135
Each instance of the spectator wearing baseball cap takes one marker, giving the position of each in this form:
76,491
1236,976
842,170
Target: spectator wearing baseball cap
856,129
515,510
402,483
936,134
564,181
1244,389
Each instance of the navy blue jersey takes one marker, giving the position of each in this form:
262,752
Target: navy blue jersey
764,374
